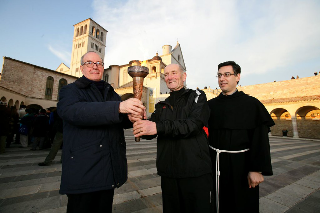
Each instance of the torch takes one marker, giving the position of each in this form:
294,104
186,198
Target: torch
138,73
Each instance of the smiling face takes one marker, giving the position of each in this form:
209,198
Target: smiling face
94,73
228,85
174,77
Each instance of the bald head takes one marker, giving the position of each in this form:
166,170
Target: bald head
175,77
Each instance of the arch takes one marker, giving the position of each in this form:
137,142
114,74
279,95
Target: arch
101,36
22,103
126,96
62,82
308,122
282,119
81,30
93,31
303,111
85,29
77,32
98,34
49,88
154,69
10,103
278,112
17,104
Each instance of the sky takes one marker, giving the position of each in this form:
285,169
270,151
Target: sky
272,40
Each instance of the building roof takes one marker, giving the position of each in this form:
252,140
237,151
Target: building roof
91,20
5,57
157,57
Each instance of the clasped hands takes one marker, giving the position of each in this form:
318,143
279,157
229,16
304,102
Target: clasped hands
134,108
136,112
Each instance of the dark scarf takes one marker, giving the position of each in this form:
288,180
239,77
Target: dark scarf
99,84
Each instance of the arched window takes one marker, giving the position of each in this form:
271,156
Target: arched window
106,78
49,88
77,33
93,31
154,69
16,104
101,37
98,34
85,29
10,103
81,30
62,82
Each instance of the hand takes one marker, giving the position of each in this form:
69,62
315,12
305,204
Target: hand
133,118
254,179
144,127
132,106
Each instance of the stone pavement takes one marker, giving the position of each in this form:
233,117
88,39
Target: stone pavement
27,187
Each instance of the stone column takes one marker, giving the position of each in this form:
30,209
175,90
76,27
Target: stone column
294,127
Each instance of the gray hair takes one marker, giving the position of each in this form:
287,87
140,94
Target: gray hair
81,61
179,68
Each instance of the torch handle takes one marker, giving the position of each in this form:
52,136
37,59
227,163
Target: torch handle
137,93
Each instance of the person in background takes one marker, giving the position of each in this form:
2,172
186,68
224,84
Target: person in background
5,117
57,131
26,125
13,130
40,129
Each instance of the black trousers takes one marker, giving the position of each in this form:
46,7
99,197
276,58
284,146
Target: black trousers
97,202
187,195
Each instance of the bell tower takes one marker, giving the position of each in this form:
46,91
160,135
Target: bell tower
88,36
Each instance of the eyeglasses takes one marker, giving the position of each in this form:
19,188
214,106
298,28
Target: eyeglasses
90,64
226,75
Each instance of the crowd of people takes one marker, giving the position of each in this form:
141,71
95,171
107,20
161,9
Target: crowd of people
211,155
30,127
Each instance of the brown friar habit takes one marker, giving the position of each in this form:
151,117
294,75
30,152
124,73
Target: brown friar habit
239,122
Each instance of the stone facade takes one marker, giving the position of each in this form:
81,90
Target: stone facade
118,77
24,82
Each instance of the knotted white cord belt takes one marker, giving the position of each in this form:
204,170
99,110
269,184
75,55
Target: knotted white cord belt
218,151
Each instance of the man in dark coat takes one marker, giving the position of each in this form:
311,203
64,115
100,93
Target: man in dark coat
40,129
94,148
5,117
238,135
183,159
57,132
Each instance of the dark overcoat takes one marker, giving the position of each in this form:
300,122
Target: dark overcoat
94,147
